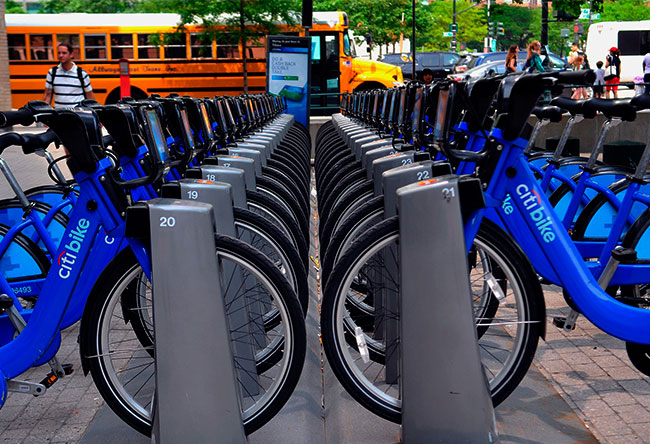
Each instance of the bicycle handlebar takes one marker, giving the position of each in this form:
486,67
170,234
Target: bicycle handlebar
584,77
23,117
34,142
8,139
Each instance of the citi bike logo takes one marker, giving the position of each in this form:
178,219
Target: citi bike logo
68,257
533,204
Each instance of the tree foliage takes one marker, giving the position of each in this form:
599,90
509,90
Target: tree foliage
472,25
91,6
573,6
625,10
12,7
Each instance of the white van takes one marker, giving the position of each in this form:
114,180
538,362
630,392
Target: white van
631,38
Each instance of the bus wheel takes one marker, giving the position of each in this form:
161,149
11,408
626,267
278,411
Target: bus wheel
367,86
114,96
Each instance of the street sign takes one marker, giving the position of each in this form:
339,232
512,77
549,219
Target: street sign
595,16
584,14
565,32
453,27
447,34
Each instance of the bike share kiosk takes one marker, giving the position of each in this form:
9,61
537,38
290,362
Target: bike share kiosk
445,394
180,235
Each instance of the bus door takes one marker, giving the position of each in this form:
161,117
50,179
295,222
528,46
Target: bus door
325,72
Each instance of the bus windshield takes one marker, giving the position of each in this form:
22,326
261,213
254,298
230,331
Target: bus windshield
348,46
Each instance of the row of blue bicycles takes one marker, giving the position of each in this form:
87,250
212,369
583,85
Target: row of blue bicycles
67,253
545,218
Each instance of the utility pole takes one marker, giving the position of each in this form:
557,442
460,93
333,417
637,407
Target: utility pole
544,36
486,46
401,37
413,37
453,37
5,99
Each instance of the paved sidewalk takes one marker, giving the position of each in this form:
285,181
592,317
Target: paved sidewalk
591,371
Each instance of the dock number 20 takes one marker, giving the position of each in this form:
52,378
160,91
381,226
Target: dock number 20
167,221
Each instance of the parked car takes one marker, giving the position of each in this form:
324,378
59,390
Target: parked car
441,63
485,70
496,67
480,58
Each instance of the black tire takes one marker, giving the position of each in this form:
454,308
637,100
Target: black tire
525,319
103,317
354,185
343,209
14,273
247,221
363,218
277,192
275,214
300,196
327,186
291,174
332,175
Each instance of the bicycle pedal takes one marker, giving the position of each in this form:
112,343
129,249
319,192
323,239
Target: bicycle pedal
51,377
561,322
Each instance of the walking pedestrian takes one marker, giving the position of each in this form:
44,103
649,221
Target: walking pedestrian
613,74
69,83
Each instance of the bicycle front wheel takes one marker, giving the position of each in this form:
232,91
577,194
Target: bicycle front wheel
122,364
508,308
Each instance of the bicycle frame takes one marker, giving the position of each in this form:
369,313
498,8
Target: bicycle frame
39,338
531,219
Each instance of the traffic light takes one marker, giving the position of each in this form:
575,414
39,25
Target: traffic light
579,28
491,29
500,29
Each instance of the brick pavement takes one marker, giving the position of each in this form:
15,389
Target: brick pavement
592,373
587,367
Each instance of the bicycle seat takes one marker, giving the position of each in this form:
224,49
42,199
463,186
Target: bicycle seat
613,108
641,102
574,107
552,113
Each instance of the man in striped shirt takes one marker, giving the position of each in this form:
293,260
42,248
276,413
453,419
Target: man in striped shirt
69,84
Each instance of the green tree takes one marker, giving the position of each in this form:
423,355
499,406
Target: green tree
573,6
625,10
472,27
381,20
244,20
228,21
92,6
518,24
12,7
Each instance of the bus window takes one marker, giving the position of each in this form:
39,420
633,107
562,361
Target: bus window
121,46
347,47
41,46
331,48
201,46
315,48
73,39
228,47
634,42
16,43
175,45
147,50
256,47
95,46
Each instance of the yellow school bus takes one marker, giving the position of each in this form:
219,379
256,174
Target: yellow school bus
162,61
